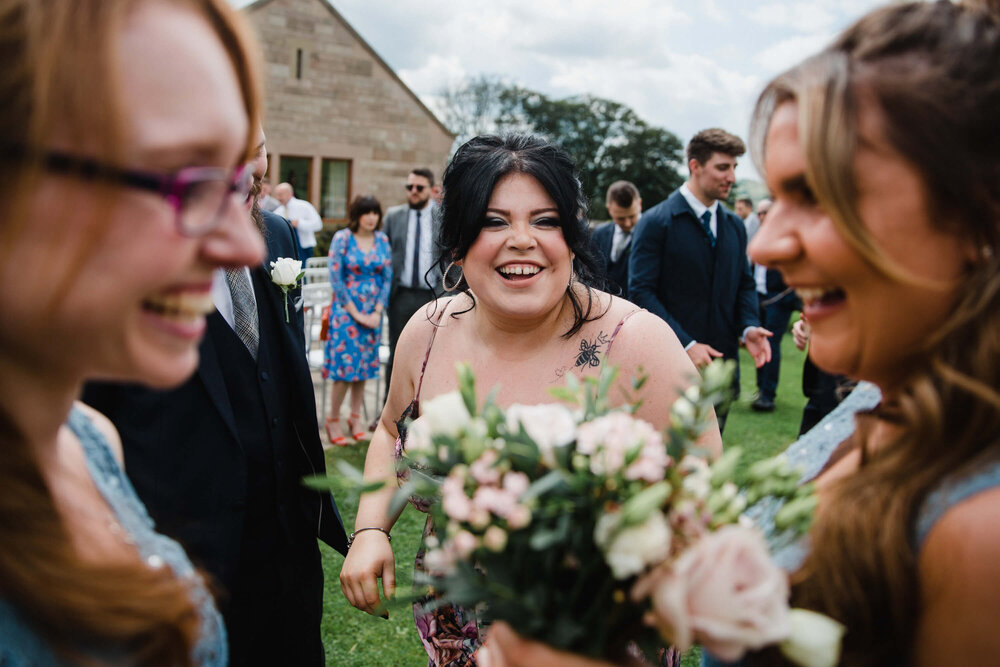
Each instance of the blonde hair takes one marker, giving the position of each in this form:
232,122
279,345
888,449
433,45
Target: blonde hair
931,69
59,57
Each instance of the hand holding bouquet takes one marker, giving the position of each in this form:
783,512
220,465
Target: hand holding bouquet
585,528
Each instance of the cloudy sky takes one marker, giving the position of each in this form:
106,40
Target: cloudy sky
681,64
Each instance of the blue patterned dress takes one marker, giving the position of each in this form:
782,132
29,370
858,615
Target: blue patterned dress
351,353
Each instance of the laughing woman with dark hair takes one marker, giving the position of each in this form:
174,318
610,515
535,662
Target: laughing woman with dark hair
524,315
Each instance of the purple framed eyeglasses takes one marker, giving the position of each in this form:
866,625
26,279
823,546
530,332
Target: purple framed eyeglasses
198,195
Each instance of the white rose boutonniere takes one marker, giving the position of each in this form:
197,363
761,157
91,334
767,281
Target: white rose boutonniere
286,274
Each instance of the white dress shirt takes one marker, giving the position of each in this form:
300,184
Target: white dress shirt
426,243
619,242
700,208
309,220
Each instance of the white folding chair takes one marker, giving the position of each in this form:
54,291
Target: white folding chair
315,296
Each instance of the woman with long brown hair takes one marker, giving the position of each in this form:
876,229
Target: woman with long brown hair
125,126
883,155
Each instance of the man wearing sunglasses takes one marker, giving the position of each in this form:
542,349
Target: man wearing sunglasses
412,229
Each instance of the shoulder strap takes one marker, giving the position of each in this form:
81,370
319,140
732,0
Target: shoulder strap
617,329
952,492
427,355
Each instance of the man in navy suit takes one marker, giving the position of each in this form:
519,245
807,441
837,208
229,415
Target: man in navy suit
688,262
613,240
219,463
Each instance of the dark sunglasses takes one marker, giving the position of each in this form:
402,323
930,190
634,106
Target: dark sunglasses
411,186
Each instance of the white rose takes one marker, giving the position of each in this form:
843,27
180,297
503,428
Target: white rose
445,414
550,425
723,592
814,640
418,438
635,548
286,271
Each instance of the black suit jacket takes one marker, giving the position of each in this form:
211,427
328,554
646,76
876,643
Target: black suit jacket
182,449
615,272
705,295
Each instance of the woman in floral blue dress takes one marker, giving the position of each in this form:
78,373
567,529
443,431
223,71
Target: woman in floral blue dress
361,275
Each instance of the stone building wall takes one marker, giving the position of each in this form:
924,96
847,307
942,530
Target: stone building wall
329,95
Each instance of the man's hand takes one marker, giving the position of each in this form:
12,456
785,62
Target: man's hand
702,354
294,223
758,346
801,333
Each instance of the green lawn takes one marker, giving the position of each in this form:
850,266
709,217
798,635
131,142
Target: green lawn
352,637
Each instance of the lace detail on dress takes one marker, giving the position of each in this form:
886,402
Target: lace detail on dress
155,549
811,451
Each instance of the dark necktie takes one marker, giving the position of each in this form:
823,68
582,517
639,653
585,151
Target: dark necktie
415,276
245,322
706,219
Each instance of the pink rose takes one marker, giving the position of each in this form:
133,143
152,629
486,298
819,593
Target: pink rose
724,592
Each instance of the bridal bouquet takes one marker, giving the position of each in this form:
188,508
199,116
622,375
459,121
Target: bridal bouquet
584,527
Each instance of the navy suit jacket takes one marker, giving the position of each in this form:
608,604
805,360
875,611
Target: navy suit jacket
705,295
182,446
616,273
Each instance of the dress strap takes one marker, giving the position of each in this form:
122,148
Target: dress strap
427,355
619,328
952,492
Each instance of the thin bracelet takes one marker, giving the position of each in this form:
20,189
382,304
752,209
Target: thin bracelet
350,540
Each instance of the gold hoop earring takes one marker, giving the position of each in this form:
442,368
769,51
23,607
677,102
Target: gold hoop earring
444,278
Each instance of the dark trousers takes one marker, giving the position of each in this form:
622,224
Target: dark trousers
306,253
403,303
774,317
824,390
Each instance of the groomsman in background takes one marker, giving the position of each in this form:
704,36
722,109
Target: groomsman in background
219,461
412,229
688,262
614,239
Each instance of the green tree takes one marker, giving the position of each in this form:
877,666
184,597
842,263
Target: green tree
607,140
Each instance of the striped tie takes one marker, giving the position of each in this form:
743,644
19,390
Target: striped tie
244,309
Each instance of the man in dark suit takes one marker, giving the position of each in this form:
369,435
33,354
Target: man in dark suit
613,240
412,229
688,262
219,462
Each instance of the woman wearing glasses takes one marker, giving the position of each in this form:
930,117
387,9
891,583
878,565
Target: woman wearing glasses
124,127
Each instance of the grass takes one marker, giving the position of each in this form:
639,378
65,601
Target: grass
353,638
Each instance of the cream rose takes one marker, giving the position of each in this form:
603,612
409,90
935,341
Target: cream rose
549,425
724,592
445,414
631,550
285,271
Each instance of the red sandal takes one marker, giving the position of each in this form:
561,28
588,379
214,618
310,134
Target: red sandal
340,440
352,425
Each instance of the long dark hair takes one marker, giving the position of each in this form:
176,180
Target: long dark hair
469,181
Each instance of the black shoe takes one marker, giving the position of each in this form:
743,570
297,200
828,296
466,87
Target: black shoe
763,405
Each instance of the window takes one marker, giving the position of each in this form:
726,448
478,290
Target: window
295,172
298,64
334,189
